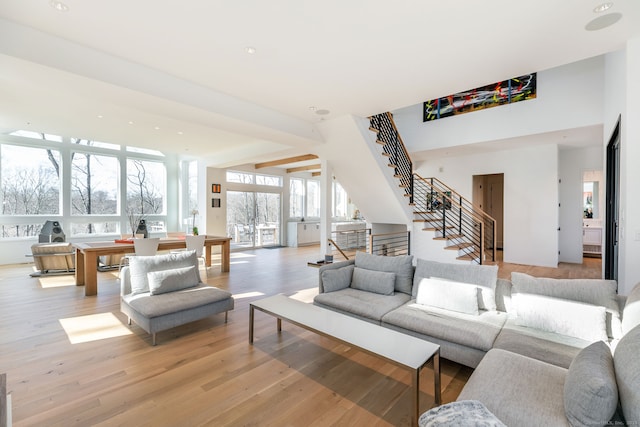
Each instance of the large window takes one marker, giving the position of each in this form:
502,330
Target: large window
340,201
30,185
89,186
304,198
296,197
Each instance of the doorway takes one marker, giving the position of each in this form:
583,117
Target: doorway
253,219
612,205
488,195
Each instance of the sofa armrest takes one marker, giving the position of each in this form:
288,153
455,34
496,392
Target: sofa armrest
125,281
331,266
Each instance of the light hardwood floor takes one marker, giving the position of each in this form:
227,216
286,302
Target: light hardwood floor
72,360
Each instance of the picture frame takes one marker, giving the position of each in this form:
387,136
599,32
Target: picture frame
215,203
216,188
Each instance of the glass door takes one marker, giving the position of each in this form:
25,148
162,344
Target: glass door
253,219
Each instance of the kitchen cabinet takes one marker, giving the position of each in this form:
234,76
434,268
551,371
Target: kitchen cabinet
303,233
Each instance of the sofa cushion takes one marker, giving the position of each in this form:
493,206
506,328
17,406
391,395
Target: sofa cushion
548,347
520,391
401,265
590,291
363,304
139,266
478,332
334,280
485,276
565,317
172,280
631,313
175,302
448,295
627,368
590,391
379,282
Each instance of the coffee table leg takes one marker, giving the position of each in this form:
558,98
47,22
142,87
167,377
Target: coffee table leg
436,376
251,312
415,413
279,324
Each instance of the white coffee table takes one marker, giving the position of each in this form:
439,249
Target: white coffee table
400,349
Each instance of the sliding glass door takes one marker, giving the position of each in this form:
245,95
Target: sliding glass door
253,219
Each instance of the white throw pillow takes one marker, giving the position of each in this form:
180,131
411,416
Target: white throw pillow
565,317
448,295
164,281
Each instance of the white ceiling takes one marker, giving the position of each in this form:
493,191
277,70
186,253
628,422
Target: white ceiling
182,67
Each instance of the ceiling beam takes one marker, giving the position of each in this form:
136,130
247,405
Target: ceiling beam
316,173
303,168
288,160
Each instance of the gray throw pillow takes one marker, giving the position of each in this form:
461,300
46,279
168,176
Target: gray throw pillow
401,265
590,390
336,279
164,281
627,367
379,282
139,266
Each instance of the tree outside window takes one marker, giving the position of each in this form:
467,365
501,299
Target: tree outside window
146,182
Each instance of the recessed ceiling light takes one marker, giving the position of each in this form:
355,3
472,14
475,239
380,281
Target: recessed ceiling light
322,112
180,132
100,116
603,21
602,7
157,127
59,6
130,122
250,50
312,108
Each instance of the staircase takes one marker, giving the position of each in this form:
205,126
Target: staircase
454,220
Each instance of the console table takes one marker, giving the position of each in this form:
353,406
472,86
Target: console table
400,349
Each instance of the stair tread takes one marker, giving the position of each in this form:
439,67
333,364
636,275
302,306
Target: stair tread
451,237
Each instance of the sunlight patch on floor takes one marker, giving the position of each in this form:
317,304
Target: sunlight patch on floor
93,327
57,281
305,295
248,295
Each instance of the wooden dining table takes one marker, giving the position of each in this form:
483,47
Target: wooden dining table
87,254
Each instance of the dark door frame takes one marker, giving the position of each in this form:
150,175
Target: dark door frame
612,205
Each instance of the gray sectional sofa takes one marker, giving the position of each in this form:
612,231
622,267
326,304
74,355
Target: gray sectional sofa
526,338
164,291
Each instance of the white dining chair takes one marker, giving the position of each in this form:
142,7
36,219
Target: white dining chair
142,247
196,243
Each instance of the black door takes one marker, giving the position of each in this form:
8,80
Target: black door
613,205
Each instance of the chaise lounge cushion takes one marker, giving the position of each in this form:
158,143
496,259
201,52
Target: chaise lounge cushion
531,400
476,331
485,276
400,265
590,390
589,291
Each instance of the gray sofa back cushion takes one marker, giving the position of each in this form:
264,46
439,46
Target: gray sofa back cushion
591,291
631,313
336,279
139,266
379,282
401,265
627,368
590,390
485,276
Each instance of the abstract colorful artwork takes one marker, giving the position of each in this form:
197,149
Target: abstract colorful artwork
505,92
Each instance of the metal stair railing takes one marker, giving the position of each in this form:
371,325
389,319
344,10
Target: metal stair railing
455,219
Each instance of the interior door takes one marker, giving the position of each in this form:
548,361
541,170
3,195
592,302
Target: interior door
612,206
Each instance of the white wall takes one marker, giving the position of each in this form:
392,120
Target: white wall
572,165
568,97
530,197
